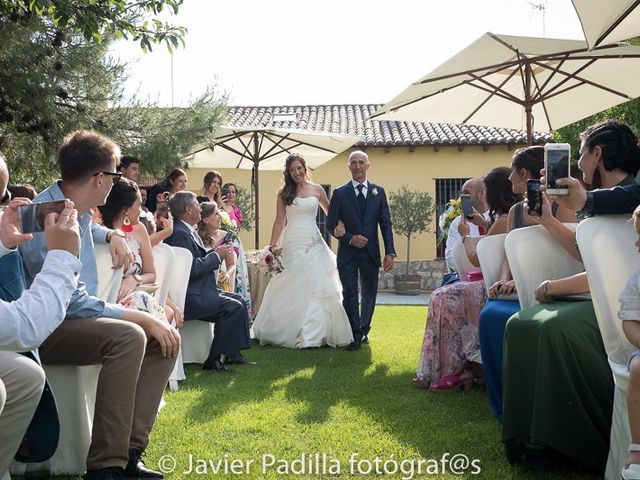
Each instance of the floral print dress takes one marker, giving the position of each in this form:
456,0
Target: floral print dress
138,300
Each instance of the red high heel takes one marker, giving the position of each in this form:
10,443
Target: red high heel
450,382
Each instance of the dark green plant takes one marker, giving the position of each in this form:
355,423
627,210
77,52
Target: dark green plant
411,213
245,203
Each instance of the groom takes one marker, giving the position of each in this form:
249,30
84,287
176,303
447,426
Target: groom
361,206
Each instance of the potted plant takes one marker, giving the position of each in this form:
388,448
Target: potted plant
411,213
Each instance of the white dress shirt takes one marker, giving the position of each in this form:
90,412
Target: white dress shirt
28,321
365,184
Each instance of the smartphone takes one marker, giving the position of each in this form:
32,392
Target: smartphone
228,238
224,191
534,197
32,215
467,208
556,165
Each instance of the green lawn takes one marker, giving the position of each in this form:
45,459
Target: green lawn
354,407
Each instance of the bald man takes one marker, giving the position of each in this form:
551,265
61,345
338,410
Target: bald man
475,188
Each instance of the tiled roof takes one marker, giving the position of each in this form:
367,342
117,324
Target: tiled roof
354,120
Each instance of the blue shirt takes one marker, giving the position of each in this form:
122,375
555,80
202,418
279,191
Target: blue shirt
84,302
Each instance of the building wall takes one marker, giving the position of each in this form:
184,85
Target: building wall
391,169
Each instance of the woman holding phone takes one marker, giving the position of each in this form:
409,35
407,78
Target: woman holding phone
212,183
558,388
213,236
450,348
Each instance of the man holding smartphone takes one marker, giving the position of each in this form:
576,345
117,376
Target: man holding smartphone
27,321
134,347
474,187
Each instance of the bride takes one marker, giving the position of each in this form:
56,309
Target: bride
302,306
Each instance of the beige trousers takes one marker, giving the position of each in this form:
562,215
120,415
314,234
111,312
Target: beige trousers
21,384
130,385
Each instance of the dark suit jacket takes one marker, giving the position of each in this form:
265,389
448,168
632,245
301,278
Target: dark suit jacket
609,201
344,207
202,293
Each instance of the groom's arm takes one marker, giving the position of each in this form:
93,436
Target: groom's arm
385,226
332,218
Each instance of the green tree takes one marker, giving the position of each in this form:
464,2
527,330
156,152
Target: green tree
411,213
96,20
245,203
47,91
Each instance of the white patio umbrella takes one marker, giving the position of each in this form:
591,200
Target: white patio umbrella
508,81
609,21
261,148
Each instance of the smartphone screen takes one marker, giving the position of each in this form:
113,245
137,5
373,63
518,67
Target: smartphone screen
228,238
556,164
32,215
467,208
224,192
534,197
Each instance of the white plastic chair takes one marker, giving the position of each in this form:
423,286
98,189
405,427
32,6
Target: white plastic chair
491,254
535,256
75,390
610,257
461,259
180,271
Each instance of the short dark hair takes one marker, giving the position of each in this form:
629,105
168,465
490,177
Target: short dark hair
619,145
123,194
85,152
23,190
127,160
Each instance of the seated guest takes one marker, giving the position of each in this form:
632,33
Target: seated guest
451,333
122,212
242,270
630,315
213,236
136,350
130,167
474,188
27,321
525,165
22,190
570,416
204,300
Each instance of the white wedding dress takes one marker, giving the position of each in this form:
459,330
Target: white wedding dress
302,306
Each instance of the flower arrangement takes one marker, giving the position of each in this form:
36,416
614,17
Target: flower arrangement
453,209
269,260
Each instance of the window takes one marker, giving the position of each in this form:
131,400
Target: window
321,219
446,189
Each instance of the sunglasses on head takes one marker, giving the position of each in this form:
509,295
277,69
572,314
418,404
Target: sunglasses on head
115,176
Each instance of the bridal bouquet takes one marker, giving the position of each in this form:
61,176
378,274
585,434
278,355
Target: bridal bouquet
269,260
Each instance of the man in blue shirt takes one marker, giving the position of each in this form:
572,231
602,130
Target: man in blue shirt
136,350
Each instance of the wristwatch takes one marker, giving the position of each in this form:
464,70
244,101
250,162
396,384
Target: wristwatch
111,233
588,205
465,237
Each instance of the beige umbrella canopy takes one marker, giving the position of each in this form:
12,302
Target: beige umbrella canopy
508,81
609,21
262,148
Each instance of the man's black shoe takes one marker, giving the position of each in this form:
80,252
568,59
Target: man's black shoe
365,339
238,359
215,364
354,346
136,467
109,473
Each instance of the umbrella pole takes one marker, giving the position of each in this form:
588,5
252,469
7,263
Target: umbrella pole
527,103
256,162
